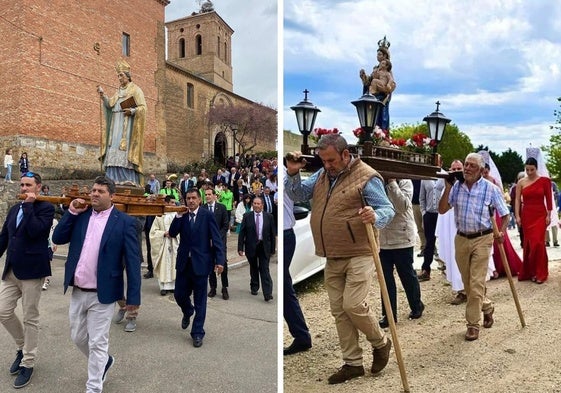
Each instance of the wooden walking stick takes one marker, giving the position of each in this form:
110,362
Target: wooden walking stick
385,298
507,268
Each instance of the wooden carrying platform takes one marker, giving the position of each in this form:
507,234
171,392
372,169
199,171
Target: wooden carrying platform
391,162
125,200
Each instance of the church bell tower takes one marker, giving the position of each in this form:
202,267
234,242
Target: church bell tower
201,43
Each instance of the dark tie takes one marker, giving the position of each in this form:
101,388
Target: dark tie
257,221
211,208
20,216
191,220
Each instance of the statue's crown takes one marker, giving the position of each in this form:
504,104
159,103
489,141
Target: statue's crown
384,43
122,66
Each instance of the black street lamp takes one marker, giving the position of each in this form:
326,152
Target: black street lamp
306,113
368,108
436,122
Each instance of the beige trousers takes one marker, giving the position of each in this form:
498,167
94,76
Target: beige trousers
348,281
472,257
25,335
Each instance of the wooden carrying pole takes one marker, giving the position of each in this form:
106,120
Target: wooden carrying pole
133,206
385,298
507,270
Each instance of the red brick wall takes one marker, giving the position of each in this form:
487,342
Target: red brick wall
50,69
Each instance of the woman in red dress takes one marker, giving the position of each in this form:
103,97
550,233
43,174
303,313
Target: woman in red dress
532,210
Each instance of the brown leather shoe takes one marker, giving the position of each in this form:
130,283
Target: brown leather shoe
488,319
424,276
459,299
472,333
345,373
380,357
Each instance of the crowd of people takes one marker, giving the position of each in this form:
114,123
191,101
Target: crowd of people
186,249
186,252
464,215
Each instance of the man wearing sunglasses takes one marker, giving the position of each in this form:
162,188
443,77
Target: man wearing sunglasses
25,239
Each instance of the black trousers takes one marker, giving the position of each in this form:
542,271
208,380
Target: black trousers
259,268
213,282
429,226
402,260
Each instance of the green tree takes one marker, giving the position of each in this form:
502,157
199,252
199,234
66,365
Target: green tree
405,131
509,164
553,151
454,145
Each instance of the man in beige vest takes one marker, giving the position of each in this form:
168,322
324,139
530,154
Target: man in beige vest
338,227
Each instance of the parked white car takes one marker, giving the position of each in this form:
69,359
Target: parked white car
305,262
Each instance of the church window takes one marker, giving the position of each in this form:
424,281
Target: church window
182,47
126,43
199,44
190,95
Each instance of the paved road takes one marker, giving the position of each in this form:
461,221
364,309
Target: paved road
239,352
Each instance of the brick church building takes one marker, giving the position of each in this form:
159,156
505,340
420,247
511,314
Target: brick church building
56,53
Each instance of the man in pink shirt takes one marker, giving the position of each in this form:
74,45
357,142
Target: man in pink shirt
102,239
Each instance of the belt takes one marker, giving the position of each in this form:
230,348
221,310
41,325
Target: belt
289,230
85,289
475,234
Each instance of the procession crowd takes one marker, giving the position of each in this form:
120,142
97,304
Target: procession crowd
466,215
186,253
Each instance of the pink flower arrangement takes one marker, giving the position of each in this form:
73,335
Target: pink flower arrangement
420,143
319,132
379,137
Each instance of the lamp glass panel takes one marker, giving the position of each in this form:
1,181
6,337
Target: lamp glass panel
300,119
310,120
433,128
440,130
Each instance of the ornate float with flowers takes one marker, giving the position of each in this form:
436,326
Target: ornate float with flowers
413,158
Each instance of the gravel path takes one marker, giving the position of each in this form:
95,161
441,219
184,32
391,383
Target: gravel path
506,358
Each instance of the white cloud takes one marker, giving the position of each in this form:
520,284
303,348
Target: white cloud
494,66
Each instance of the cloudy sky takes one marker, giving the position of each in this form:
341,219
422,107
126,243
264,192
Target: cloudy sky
493,65
254,43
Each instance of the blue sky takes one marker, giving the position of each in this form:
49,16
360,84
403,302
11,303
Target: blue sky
493,65
254,43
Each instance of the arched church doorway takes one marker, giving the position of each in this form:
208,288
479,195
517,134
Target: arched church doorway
220,148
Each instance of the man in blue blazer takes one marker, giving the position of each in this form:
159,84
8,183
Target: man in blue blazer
200,251
25,237
257,238
102,240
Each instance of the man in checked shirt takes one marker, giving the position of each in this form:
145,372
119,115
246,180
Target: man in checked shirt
473,200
